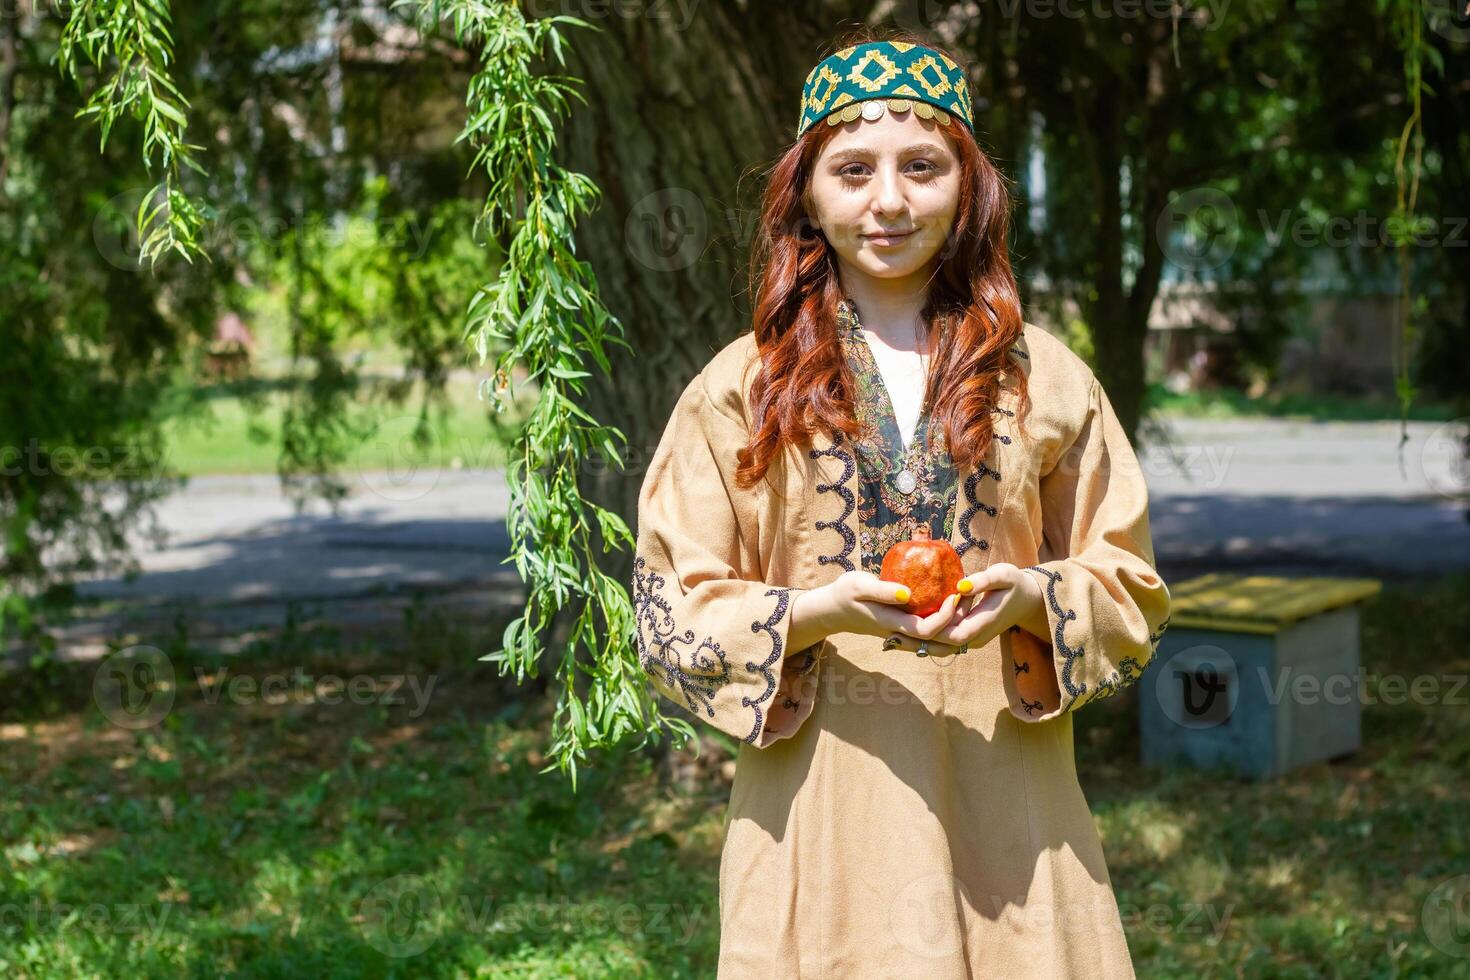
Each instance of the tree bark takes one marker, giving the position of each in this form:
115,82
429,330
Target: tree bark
683,115
9,64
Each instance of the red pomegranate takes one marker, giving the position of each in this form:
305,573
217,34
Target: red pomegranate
931,569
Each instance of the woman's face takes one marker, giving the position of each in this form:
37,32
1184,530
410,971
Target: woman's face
884,193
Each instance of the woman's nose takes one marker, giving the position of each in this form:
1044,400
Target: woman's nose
888,194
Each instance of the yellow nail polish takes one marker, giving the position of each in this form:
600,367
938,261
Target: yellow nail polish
901,594
965,586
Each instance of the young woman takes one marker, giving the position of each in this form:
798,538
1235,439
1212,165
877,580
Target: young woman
906,800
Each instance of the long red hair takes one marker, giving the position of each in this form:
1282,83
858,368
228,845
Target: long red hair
973,309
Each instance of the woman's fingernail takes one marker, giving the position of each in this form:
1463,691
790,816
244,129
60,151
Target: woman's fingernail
901,594
964,587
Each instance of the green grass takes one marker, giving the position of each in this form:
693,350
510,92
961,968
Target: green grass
236,428
250,839
265,840
1227,403
1323,873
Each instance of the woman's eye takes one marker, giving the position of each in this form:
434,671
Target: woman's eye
855,174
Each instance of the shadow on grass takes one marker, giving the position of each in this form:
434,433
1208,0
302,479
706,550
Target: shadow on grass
314,807
303,834
1327,871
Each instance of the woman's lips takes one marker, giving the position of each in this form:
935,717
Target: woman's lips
893,239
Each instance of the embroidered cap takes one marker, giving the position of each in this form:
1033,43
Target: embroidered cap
862,79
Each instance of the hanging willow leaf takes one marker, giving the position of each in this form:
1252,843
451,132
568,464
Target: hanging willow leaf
540,307
132,37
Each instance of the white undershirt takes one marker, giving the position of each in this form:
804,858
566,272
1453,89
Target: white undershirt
903,376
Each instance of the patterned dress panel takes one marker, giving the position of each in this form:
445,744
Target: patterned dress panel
886,513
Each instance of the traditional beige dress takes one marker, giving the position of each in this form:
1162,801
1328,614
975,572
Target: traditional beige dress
892,815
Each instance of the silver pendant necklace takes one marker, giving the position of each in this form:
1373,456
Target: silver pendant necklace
906,482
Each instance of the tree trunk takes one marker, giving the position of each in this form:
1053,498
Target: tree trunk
1113,315
9,65
684,111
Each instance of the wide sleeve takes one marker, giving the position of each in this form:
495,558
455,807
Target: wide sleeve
1106,607
711,634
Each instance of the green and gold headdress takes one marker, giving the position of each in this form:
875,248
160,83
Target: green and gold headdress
864,79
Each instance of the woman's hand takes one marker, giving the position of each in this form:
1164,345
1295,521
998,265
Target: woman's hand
860,602
992,602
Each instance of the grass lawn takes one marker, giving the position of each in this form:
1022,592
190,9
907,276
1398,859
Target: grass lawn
237,429
275,839
1226,403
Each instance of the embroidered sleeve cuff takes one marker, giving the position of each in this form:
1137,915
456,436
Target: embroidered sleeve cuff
1097,647
719,651
796,694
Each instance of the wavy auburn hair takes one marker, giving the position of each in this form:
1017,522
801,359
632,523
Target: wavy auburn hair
973,310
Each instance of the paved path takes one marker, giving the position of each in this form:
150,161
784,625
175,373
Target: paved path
237,539
1307,497
239,560
1324,498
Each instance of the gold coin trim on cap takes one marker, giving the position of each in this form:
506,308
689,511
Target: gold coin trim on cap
887,73
871,109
